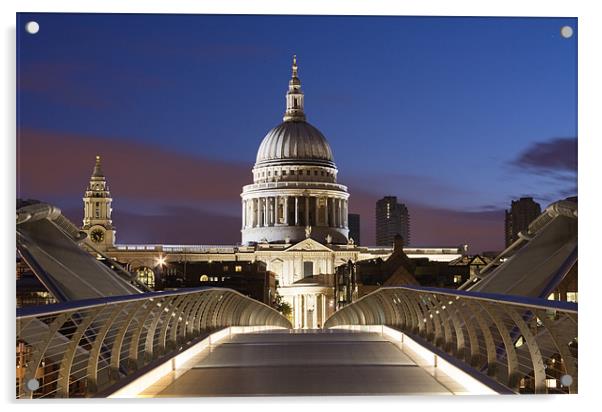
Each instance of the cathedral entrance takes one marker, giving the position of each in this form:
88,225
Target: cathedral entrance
310,319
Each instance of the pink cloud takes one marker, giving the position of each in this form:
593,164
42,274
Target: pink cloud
54,165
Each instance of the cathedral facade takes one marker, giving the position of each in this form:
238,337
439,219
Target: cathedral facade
294,218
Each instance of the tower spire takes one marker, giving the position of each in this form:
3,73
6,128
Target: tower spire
97,168
97,209
294,65
294,97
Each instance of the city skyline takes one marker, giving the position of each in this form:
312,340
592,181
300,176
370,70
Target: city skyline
156,155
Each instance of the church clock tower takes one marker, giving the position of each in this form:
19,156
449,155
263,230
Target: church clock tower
97,210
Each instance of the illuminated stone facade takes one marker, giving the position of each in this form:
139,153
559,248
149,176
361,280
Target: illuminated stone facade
97,221
294,218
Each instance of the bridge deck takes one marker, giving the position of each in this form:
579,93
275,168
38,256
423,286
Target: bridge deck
294,362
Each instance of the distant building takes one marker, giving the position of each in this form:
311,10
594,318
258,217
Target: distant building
249,278
30,291
354,227
356,279
522,212
392,219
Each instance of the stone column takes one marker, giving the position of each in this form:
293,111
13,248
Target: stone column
244,214
257,211
285,210
270,211
324,315
304,311
335,212
276,210
326,217
316,212
260,206
306,210
340,210
296,211
315,311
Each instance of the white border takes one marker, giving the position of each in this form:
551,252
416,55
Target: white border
590,135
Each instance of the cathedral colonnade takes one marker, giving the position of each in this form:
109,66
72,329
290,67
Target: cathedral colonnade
294,210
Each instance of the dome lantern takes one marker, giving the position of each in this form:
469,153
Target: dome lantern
294,97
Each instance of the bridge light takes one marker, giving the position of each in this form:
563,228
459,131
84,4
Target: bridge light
161,260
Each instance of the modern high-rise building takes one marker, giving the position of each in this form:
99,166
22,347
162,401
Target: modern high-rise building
354,227
522,212
392,219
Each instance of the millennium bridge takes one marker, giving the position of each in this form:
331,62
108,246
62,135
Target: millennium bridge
111,337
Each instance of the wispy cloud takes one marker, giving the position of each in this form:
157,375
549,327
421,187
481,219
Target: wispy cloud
56,164
197,200
555,155
554,163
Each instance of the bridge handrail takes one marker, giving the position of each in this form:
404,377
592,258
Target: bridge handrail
54,308
527,344
526,301
82,348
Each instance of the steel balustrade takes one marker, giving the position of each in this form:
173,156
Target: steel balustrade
81,348
528,345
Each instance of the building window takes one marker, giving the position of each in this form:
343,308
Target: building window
225,268
238,268
307,172
204,278
146,276
284,173
571,296
292,172
457,278
308,269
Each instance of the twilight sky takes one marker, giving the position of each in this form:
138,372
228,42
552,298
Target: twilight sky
454,116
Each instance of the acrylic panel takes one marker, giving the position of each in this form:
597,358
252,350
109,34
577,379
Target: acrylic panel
281,205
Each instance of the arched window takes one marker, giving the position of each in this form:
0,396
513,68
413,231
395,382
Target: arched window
204,278
146,276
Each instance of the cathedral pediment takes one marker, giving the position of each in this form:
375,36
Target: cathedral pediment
309,244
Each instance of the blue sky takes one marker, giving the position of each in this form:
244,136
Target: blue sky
452,115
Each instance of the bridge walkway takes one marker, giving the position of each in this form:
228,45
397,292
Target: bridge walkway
305,362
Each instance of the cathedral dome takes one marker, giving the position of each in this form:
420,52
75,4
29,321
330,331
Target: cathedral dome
295,194
294,142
